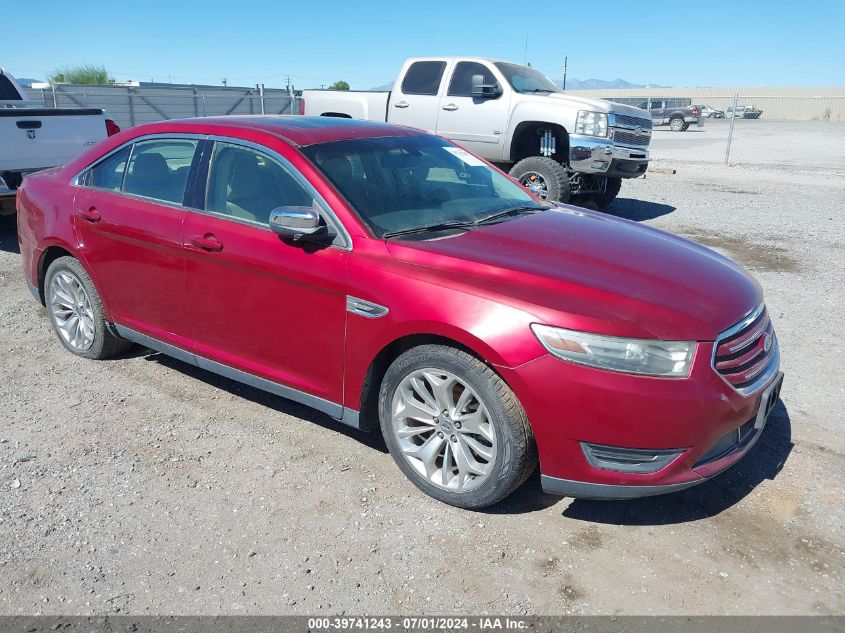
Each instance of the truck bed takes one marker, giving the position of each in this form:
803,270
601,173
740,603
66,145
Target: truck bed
370,105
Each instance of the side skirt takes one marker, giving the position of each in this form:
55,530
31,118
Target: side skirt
343,414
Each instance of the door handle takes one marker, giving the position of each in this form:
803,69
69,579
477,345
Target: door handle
401,104
91,214
450,107
207,242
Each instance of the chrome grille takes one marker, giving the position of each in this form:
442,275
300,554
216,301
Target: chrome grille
631,138
626,120
746,355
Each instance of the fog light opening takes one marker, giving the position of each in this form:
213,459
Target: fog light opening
629,460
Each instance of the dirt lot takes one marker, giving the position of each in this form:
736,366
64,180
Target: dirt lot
142,485
809,145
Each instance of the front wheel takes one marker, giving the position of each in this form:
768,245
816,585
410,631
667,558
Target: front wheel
454,427
543,176
611,190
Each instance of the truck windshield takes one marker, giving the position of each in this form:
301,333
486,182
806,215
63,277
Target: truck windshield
526,79
421,184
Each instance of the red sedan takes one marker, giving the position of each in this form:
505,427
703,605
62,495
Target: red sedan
394,281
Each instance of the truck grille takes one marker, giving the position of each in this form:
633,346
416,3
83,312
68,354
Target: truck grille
746,355
625,120
631,138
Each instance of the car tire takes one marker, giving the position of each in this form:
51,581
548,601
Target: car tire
544,176
499,442
76,311
677,124
611,190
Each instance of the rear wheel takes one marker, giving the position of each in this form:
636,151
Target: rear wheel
454,428
543,176
677,124
76,312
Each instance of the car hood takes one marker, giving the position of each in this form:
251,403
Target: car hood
599,105
589,271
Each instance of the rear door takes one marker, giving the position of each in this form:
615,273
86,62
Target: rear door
415,101
128,215
257,303
39,138
473,122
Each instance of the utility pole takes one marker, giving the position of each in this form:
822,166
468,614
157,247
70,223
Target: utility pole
565,64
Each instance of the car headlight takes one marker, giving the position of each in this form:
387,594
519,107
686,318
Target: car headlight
648,357
591,123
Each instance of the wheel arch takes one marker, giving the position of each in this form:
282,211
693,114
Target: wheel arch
525,141
53,252
368,402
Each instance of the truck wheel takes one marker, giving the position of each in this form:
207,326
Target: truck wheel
611,190
76,311
544,177
677,124
454,427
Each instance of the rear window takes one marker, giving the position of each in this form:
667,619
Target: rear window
159,169
8,92
423,78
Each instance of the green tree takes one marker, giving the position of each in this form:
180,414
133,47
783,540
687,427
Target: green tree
339,85
85,74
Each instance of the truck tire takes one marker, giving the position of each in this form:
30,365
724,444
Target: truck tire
611,190
544,177
476,448
677,124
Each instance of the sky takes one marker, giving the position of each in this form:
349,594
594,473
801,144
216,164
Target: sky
712,43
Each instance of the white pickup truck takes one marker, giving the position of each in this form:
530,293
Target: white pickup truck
33,137
558,145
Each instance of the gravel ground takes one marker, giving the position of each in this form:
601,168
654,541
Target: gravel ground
809,145
142,485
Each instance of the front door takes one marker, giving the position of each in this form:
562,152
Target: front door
473,122
415,103
128,216
256,303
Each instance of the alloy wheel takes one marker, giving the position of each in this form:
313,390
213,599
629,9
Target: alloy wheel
535,183
72,312
443,429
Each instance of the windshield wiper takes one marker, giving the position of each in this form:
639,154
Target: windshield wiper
508,213
429,228
540,90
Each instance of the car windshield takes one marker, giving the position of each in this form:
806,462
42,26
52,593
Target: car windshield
424,184
526,79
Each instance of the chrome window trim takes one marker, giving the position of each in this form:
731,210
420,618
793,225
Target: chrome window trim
74,182
768,373
345,239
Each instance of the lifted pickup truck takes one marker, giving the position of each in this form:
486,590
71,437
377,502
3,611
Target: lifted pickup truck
558,145
34,138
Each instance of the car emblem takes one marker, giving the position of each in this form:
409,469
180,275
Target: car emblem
767,342
30,133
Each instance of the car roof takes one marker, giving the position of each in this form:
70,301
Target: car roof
298,131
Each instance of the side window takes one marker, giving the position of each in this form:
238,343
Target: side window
466,75
247,184
108,174
8,92
158,169
423,78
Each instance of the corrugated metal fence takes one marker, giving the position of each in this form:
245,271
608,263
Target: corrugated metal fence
133,105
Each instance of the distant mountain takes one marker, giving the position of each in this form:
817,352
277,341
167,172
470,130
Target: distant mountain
574,84
601,84
26,82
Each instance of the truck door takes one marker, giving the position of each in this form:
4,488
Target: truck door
414,102
474,121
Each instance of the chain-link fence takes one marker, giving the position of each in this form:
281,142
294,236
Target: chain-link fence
130,106
777,130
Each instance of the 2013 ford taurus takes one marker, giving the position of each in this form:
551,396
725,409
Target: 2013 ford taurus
394,281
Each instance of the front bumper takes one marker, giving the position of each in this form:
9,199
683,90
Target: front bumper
693,416
602,157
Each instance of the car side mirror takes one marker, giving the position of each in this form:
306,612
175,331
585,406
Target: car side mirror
296,223
485,91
